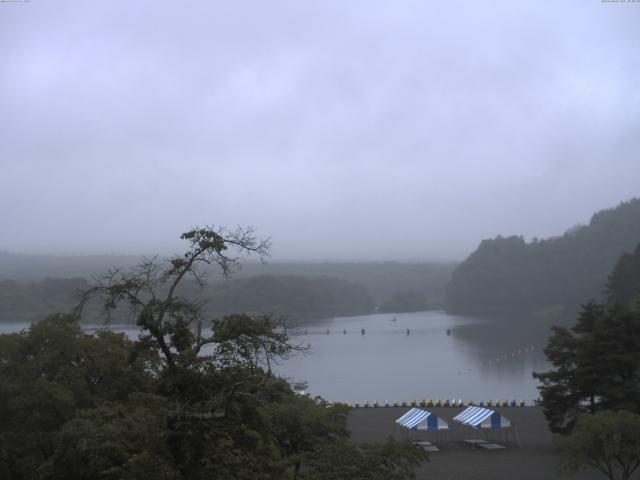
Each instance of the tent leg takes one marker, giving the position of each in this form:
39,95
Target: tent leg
515,433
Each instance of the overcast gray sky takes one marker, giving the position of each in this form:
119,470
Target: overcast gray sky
342,129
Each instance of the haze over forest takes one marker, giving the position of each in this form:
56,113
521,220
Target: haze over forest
404,131
231,230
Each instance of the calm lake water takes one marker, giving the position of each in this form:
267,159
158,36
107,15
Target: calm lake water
478,359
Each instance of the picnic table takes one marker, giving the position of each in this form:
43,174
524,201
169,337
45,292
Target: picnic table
478,442
428,446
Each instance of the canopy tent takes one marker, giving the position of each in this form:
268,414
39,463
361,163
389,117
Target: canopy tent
419,419
485,420
479,417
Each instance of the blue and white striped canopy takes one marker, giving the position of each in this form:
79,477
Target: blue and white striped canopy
480,417
419,419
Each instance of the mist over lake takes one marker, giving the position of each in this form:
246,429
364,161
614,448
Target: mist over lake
386,363
226,226
480,358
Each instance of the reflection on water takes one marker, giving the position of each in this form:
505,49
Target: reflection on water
423,355
413,357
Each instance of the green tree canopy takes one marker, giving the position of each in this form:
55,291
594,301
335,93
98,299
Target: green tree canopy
407,301
188,399
607,441
392,460
508,273
624,281
596,366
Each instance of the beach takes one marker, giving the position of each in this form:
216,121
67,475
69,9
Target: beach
536,459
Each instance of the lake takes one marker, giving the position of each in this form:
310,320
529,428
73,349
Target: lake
442,356
478,359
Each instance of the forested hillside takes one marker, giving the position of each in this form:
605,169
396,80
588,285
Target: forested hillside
382,279
302,290
624,282
30,301
34,268
300,298
408,301
509,273
297,298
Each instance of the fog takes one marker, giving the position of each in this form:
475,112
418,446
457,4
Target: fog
343,130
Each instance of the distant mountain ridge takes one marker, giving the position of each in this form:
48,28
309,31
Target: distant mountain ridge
33,286
295,297
383,279
507,273
21,267
299,299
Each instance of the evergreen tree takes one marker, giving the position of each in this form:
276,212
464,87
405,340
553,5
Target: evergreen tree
596,366
624,281
508,273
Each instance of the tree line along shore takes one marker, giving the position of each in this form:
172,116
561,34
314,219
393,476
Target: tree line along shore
190,399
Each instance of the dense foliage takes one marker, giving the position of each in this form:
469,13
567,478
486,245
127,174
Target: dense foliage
407,301
30,301
81,406
392,460
509,273
180,402
381,279
298,298
597,361
624,282
596,366
607,441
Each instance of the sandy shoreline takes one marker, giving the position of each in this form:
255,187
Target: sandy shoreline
536,460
